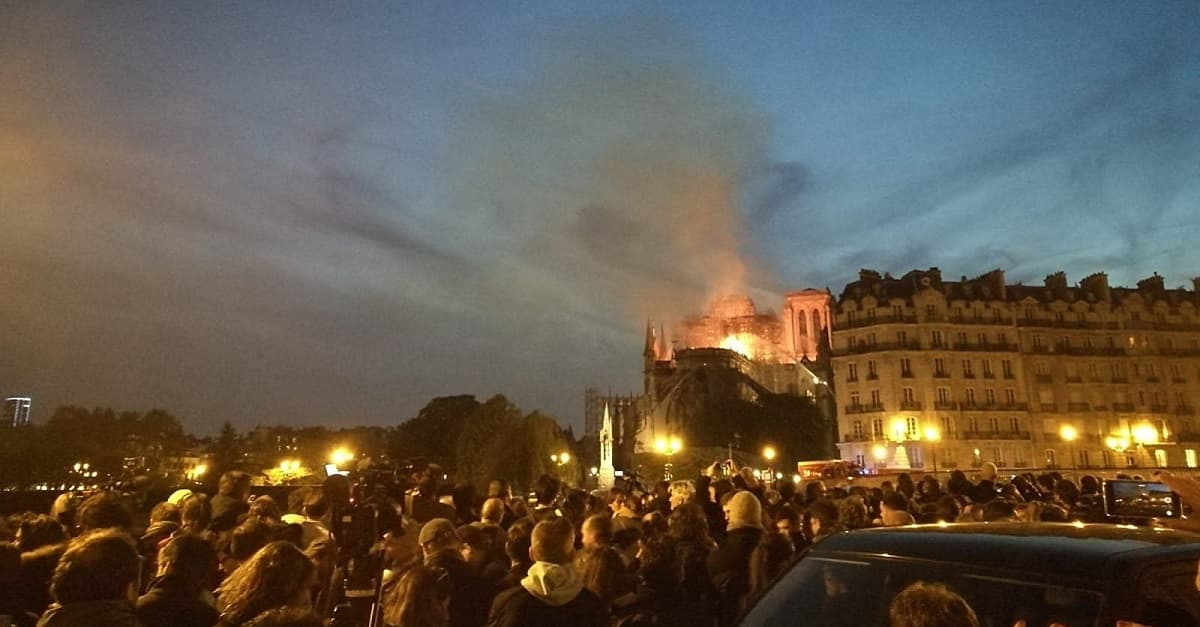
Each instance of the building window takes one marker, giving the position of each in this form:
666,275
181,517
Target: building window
1050,459
871,372
947,425
1088,341
877,428
994,424
989,396
871,314
910,427
855,401
996,315
898,311
997,457
931,310
1042,368
1085,458
875,398
1002,339
902,338
853,342
1160,458
858,459
909,396
1038,342
973,425
1010,396
939,367
858,430
914,455
905,367
987,368
1006,366
981,339
1094,370
970,396
936,339
852,372
968,370
871,340
1190,456
1106,458
1014,424
962,339
943,395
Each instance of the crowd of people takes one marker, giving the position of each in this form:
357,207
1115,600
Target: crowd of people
692,552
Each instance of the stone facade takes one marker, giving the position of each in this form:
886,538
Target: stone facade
959,373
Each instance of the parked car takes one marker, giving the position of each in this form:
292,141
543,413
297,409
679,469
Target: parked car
1071,574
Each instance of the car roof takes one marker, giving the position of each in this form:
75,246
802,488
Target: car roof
1084,551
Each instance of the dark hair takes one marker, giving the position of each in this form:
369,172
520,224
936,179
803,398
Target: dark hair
265,508
104,510
768,559
553,541
38,531
233,484
98,566
195,513
930,605
602,525
419,599
165,512
659,564
627,536
315,505
948,509
603,572
247,538
702,484
520,537
688,522
895,500
998,509
190,559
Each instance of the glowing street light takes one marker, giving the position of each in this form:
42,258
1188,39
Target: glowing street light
879,452
668,446
1069,434
341,455
768,454
560,458
933,436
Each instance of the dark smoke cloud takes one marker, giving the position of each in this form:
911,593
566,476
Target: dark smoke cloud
619,170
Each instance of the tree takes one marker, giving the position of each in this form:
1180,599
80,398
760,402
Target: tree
226,450
434,432
478,449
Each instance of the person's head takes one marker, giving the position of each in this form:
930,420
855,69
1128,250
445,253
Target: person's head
279,575
247,538
195,513
930,605
64,509
999,510
38,531
436,536
853,512
603,572
659,564
1067,492
97,566
553,541
189,559
597,531
688,522
947,509
627,539
681,492
703,483
265,509
420,599
822,517
814,490
988,471
518,541
743,510
104,510
492,511
787,520
165,512
474,545
617,499
1089,485
499,489
234,484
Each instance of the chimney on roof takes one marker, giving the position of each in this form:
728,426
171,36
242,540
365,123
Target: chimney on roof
867,275
1096,285
1057,282
1151,284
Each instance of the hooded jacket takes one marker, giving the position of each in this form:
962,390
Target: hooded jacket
550,595
729,567
113,613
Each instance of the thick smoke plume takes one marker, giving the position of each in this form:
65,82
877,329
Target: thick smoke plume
617,170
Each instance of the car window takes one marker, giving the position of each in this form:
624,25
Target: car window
836,593
822,593
1167,595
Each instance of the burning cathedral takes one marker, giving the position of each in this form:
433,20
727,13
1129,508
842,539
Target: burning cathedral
733,377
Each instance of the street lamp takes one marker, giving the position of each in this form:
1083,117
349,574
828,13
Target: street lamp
560,458
1144,434
1069,434
668,446
880,454
341,455
932,435
768,454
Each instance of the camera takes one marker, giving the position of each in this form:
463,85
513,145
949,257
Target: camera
1131,499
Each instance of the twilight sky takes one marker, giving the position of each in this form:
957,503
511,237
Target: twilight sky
332,212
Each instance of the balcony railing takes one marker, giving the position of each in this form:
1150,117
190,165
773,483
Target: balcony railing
987,346
1078,407
863,408
993,435
1043,378
945,405
1120,379
877,319
1122,407
913,405
1048,406
1185,410
1158,409
877,346
1074,379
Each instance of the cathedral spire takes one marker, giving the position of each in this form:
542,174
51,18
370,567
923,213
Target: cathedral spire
607,474
651,352
664,346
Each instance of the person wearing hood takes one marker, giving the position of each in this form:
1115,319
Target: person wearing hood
729,565
177,595
95,583
552,593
